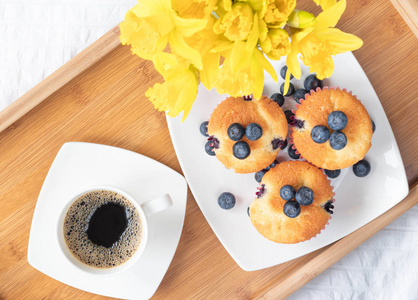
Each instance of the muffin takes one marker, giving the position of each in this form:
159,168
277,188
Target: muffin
246,133
331,129
269,212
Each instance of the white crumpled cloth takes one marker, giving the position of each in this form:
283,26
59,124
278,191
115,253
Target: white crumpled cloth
38,36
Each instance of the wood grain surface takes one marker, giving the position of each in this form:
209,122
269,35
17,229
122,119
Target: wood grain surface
105,103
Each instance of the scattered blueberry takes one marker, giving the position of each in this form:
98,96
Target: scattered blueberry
209,148
320,134
272,165
253,131
288,114
292,153
337,120
362,168
248,211
304,196
204,128
312,82
337,140
259,175
236,131
373,126
241,150
226,200
299,94
287,192
291,209
332,173
283,71
290,91
278,98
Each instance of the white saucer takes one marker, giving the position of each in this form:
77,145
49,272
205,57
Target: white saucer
79,166
358,200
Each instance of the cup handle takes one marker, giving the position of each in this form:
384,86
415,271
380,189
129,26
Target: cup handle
156,205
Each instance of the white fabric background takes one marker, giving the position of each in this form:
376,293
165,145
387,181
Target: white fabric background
38,36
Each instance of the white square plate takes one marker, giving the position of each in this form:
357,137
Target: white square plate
79,166
358,200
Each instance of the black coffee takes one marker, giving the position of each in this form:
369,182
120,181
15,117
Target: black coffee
102,229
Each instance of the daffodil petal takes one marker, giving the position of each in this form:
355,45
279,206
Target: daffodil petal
341,41
210,70
146,8
223,46
325,3
263,29
189,27
292,63
265,64
254,33
179,46
240,58
258,75
330,16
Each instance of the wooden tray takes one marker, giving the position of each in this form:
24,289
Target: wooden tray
99,97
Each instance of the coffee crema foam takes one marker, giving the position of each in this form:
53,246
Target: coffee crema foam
76,223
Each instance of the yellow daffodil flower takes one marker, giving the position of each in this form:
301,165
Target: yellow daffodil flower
237,23
318,43
151,24
179,89
278,11
194,9
276,44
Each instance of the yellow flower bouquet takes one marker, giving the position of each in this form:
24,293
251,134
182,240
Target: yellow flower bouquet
223,44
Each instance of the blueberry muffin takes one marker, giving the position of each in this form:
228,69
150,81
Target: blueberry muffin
332,129
294,203
246,134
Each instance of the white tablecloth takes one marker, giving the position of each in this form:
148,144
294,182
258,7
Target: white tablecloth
38,36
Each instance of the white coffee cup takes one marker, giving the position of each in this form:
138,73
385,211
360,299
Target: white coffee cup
144,209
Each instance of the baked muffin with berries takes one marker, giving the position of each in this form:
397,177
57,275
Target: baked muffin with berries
294,203
246,133
332,129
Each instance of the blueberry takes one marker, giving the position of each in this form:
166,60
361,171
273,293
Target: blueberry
283,71
304,196
236,131
291,209
226,200
278,98
248,211
373,126
287,192
337,140
272,165
288,114
312,82
292,153
209,148
362,168
253,131
241,150
204,128
332,173
337,120
299,94
290,91
320,134
259,175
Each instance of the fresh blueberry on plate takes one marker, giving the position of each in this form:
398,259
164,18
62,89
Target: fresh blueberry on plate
362,168
283,71
278,98
292,153
287,192
337,120
226,200
259,175
272,165
236,131
337,140
373,126
204,128
241,150
291,209
299,94
253,131
320,134
248,211
312,82
332,173
209,148
290,91
304,196
288,114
